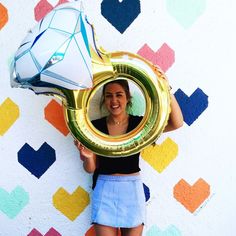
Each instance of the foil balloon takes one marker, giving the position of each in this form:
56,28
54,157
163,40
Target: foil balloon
60,57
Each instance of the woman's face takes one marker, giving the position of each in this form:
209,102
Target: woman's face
115,99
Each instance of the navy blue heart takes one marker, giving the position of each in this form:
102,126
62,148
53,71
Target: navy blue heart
193,106
37,162
120,14
146,192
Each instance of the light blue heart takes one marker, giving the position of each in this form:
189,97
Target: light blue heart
170,231
186,11
12,203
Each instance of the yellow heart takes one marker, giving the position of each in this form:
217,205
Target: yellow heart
9,113
71,205
160,156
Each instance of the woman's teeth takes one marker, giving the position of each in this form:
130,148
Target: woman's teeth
114,107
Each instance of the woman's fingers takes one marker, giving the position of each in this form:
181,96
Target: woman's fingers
84,152
79,145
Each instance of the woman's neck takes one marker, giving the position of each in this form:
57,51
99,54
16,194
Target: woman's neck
118,120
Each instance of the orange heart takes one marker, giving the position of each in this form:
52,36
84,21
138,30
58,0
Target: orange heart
54,115
191,196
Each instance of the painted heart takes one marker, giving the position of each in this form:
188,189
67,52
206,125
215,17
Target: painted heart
53,113
51,232
191,197
170,231
186,12
3,16
71,205
37,162
160,156
43,7
120,13
164,57
11,204
9,113
192,107
146,192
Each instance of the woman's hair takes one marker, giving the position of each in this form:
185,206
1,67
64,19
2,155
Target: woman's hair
124,84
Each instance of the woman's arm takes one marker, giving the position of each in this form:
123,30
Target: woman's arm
176,117
87,156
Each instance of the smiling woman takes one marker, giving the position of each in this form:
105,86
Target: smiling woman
118,199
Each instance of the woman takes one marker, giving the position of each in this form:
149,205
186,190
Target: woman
118,199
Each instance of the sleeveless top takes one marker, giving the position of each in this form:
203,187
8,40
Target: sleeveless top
122,165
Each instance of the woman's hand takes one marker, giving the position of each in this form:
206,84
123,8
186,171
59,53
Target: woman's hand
87,156
84,152
176,117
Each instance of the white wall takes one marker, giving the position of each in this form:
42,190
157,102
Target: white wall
202,39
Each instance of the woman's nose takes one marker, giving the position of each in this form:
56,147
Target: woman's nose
113,99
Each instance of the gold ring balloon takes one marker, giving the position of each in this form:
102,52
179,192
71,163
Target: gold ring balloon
49,64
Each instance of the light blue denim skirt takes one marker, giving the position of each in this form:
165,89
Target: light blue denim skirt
118,201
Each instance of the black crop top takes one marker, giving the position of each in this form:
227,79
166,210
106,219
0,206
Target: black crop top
122,165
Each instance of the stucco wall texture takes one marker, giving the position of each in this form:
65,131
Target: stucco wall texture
188,176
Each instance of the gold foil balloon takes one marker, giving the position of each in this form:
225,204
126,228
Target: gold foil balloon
59,57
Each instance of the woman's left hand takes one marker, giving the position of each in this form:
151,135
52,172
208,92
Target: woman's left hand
84,152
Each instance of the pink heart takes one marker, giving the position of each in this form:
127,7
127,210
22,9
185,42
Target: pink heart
164,57
51,232
43,7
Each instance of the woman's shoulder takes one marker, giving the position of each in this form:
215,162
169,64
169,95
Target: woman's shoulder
135,118
99,122
134,121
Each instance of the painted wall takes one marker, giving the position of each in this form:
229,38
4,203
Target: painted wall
189,176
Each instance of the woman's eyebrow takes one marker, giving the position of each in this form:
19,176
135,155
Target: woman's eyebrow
115,92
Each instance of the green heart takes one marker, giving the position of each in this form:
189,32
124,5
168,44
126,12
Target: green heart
185,11
12,203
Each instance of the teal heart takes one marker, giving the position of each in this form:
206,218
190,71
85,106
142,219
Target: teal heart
185,11
12,203
170,231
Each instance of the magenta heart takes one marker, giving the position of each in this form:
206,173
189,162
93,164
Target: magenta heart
51,232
